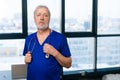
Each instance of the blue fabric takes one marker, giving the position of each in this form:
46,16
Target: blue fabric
42,68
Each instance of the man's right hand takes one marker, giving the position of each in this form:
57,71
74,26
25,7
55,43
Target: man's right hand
28,57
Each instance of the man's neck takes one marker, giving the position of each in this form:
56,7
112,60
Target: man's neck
44,32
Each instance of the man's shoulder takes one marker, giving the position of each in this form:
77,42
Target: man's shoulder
31,35
58,33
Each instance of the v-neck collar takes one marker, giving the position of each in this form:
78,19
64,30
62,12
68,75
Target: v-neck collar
47,40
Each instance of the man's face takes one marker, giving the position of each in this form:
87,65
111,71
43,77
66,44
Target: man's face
42,18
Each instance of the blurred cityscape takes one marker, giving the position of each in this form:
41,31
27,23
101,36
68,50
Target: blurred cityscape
11,25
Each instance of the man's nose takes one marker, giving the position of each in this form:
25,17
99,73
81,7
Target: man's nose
41,17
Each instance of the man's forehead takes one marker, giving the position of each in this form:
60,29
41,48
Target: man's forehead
42,10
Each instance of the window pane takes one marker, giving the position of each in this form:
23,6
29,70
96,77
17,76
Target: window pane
78,18
108,17
108,54
55,22
10,16
82,50
11,53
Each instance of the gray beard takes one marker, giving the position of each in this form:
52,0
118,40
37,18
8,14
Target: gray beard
43,27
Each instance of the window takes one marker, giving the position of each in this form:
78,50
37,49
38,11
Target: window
93,35
108,17
108,30
11,24
108,52
10,53
78,28
13,28
82,50
78,18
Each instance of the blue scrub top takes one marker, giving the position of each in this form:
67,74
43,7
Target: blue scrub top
42,68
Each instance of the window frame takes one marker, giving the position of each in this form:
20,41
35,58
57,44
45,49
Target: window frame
75,34
92,73
24,25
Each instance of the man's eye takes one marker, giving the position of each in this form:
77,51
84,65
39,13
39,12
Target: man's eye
46,15
38,15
